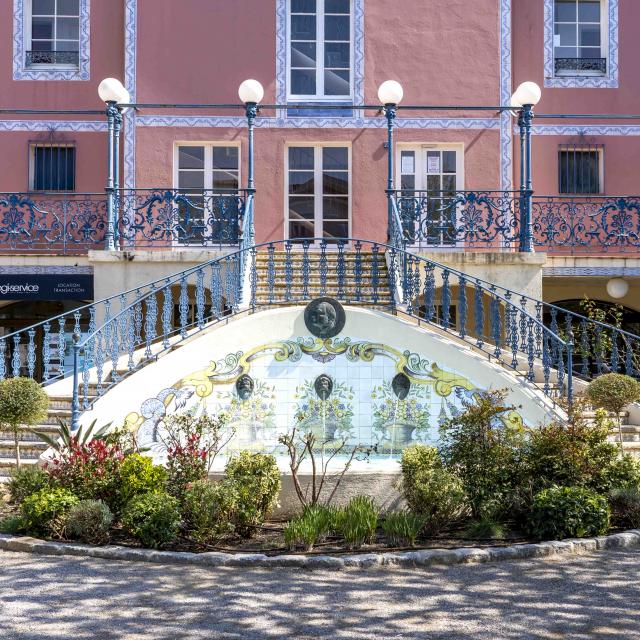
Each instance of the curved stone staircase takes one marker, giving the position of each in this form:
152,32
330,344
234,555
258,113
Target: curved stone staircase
153,321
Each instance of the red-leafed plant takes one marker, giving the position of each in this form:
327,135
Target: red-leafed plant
91,470
192,446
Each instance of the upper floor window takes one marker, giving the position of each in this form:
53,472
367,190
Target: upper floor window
579,37
53,33
320,50
52,167
580,169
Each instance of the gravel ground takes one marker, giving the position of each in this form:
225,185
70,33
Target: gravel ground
589,596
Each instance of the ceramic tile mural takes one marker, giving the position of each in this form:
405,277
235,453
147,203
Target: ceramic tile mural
280,389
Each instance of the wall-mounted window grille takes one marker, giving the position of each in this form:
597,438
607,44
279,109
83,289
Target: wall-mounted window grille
581,169
579,37
53,33
52,167
320,49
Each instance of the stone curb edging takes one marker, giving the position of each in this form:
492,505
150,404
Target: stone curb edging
425,557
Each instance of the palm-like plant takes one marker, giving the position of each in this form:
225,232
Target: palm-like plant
68,438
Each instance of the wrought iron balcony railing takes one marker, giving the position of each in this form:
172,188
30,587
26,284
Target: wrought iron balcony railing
478,219
61,223
579,224
52,57
165,218
567,65
491,220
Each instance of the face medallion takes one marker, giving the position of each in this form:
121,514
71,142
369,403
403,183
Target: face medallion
324,318
244,387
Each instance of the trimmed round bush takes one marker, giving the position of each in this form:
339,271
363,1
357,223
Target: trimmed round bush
256,480
138,475
568,512
613,391
431,491
23,401
152,518
27,480
89,521
208,509
44,512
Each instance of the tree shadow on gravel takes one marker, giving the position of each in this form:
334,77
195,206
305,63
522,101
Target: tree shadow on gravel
592,596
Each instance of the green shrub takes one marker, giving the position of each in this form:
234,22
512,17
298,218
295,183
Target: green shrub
613,392
44,512
256,480
402,528
89,521
568,512
625,507
573,454
152,518
208,510
27,480
485,530
431,491
482,445
623,473
313,526
22,402
12,525
357,521
139,475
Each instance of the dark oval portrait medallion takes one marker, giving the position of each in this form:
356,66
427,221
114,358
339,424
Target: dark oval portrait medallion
324,317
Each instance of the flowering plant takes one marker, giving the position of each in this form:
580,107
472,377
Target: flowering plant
91,470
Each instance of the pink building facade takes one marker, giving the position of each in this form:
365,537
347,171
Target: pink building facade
322,172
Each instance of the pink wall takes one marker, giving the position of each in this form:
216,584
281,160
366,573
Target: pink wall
107,59
369,167
528,63
201,50
443,53
91,159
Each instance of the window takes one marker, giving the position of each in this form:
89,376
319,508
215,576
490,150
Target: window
320,51
580,169
578,37
318,192
207,178
53,33
52,167
429,178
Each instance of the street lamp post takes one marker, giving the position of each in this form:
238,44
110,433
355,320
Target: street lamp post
113,94
251,93
390,94
525,98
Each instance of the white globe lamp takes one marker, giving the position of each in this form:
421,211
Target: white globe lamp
112,90
617,288
390,92
251,91
528,93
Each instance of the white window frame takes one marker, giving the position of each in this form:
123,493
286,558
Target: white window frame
601,173
28,7
420,150
609,44
320,68
318,218
22,43
604,46
208,169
